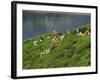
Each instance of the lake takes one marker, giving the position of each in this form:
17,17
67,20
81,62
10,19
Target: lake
39,22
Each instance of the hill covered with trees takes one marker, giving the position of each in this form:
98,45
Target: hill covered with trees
55,49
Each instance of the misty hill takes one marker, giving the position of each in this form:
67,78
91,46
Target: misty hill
72,51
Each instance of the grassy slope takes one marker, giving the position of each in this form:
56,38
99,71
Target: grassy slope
72,51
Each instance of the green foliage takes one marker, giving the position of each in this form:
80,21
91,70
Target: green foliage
73,31
72,51
85,27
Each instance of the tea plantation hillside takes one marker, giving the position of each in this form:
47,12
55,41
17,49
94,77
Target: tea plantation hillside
72,51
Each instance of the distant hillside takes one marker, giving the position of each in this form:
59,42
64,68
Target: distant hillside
71,51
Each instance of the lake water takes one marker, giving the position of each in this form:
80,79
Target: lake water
40,22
